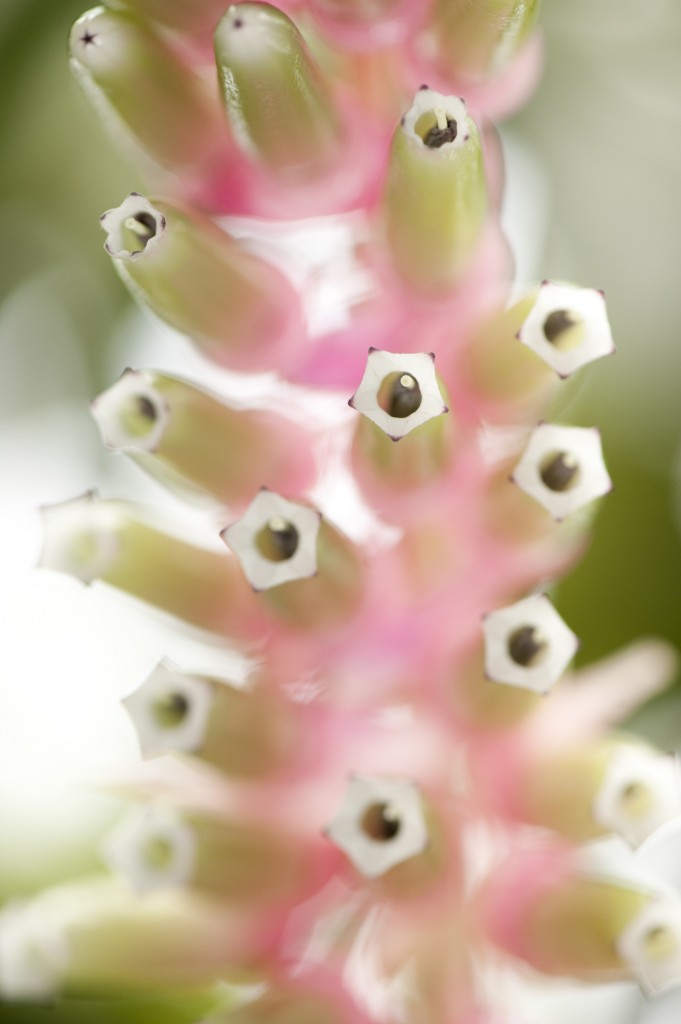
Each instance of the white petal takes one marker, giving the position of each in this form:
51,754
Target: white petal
380,364
261,572
118,238
588,306
188,734
80,537
641,791
371,856
591,479
129,849
651,946
560,644
109,410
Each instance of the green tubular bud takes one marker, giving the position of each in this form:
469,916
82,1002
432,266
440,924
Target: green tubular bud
499,366
111,542
192,275
479,39
155,848
574,929
436,198
243,732
401,400
305,570
191,442
126,70
279,106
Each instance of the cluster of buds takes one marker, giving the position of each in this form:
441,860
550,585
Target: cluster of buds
398,794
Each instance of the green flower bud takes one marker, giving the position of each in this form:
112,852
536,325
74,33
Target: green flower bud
479,39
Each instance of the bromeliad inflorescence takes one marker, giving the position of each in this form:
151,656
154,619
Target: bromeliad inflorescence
408,694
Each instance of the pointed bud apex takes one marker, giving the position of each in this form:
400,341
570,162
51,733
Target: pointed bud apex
651,946
562,468
134,79
436,198
640,792
527,644
477,40
380,824
191,442
239,310
309,572
243,732
110,541
279,106
568,327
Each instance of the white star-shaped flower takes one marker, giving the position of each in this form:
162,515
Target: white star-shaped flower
399,392
131,415
651,946
562,468
380,824
33,953
170,711
640,792
433,110
568,327
133,228
527,644
152,848
80,537
275,540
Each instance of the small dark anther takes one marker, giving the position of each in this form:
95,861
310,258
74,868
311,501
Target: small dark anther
143,224
238,23
404,397
88,38
146,408
557,323
437,137
526,646
560,471
381,822
278,540
171,710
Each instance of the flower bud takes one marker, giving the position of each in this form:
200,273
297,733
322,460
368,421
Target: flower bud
110,541
473,40
190,441
400,400
567,327
156,848
639,791
243,732
562,468
278,104
238,310
308,572
538,907
527,644
435,199
133,78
